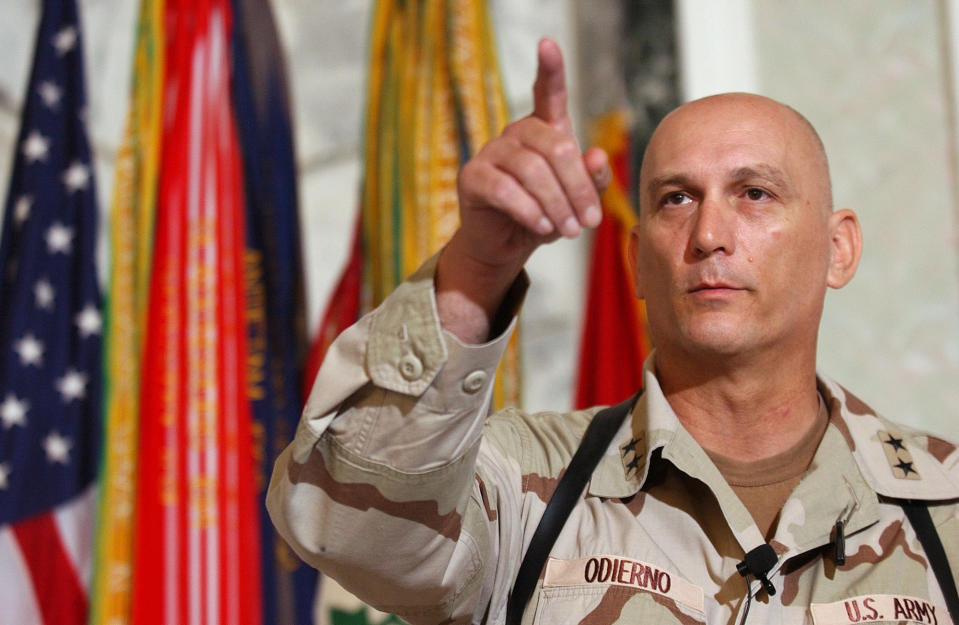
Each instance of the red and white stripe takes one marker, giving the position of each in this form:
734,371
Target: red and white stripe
45,565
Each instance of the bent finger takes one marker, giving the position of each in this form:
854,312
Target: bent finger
535,174
490,188
568,166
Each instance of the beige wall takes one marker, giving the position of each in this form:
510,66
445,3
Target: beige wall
870,74
873,77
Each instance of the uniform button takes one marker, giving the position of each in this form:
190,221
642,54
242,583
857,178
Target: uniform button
410,367
474,381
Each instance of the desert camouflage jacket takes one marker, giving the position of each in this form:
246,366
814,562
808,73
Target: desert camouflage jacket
401,487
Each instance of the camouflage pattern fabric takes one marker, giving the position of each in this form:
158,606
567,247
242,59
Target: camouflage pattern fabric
398,485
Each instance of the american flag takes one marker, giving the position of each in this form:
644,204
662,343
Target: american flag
50,326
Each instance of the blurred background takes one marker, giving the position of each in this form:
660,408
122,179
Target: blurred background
877,78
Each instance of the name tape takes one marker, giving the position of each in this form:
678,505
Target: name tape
873,608
618,571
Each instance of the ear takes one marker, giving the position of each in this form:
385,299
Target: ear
845,241
631,255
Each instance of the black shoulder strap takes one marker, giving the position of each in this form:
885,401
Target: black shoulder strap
918,514
595,441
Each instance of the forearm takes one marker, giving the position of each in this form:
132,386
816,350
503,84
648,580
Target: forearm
401,542
383,460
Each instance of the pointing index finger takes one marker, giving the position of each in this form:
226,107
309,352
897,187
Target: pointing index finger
549,90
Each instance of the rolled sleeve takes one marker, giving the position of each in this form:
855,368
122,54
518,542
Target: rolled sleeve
385,454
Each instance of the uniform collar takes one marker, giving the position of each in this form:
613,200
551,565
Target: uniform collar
655,430
652,427
861,455
896,461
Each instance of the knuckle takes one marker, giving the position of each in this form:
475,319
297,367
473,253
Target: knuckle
564,149
529,167
499,192
526,214
469,167
524,128
469,176
516,128
486,152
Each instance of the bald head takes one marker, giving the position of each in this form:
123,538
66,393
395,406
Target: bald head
737,241
751,118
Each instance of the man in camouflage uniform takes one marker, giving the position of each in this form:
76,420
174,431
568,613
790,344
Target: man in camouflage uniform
399,485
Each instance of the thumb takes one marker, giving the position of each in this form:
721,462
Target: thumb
597,164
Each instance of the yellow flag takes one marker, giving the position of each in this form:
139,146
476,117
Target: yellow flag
131,239
435,96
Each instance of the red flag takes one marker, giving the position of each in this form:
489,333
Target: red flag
434,98
614,342
343,309
196,553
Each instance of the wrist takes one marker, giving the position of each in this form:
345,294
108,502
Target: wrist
470,291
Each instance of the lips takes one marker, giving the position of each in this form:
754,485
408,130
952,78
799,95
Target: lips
714,286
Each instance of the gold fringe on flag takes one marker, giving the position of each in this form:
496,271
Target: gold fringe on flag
435,96
131,237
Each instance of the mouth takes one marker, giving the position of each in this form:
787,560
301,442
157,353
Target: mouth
715,290
714,286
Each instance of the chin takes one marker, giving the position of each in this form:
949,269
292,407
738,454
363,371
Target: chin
716,340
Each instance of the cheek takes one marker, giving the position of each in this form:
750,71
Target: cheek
762,246
654,267
799,259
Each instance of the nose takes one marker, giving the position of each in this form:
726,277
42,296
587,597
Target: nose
713,228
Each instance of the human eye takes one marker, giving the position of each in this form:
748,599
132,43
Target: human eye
757,194
675,198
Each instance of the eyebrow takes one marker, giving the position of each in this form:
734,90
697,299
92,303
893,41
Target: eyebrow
678,180
760,170
774,175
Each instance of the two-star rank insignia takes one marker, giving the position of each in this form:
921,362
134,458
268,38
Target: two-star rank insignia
634,457
900,460
895,443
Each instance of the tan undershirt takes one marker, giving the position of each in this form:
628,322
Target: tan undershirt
764,485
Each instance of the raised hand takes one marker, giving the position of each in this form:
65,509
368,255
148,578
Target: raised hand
528,186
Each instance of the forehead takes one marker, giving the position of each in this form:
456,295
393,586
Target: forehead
727,134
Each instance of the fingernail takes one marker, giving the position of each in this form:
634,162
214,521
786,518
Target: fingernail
571,227
593,216
544,226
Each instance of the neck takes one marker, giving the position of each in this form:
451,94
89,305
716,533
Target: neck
749,409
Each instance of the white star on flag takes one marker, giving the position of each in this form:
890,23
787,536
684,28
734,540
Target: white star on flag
35,147
51,376
65,40
57,448
59,238
13,411
44,294
89,321
21,209
72,385
76,176
50,93
30,350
